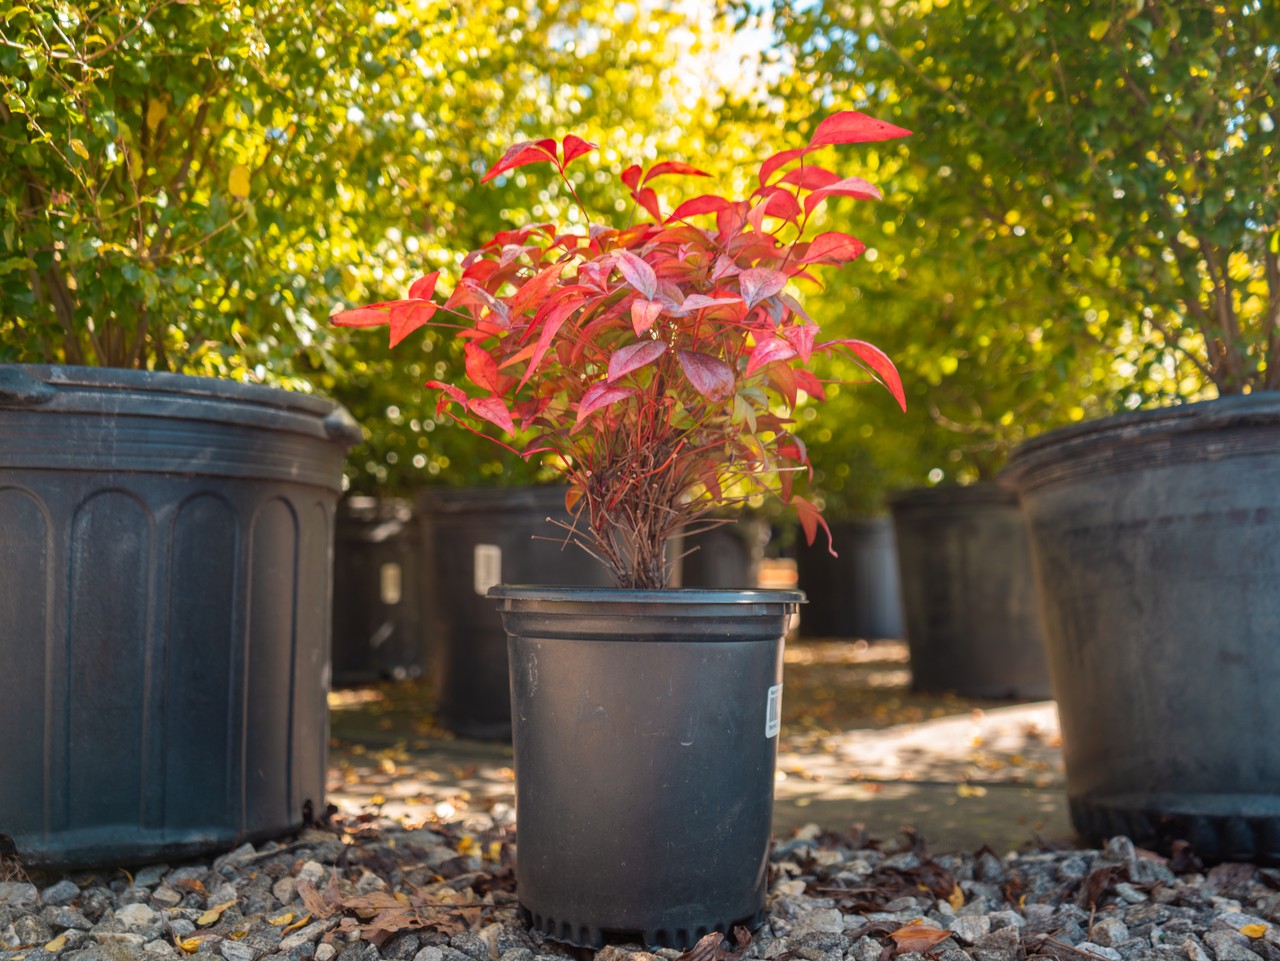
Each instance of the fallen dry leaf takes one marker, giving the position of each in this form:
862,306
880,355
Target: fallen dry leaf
214,914
1254,931
918,937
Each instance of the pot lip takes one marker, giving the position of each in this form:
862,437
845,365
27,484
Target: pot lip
1261,408
947,495
621,595
70,389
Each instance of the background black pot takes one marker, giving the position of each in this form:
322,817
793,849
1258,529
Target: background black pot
377,618
856,594
473,538
727,556
1156,540
164,611
645,740
968,593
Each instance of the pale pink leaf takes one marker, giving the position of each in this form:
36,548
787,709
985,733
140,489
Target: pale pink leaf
768,351
598,395
638,274
643,314
760,282
802,338
634,356
710,376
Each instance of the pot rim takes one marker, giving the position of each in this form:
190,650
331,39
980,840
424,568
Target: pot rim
623,595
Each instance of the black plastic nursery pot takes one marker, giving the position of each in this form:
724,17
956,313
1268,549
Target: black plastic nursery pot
377,621
856,594
1156,544
474,538
645,738
968,594
165,577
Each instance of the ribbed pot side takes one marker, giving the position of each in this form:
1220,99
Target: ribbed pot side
645,731
1156,546
165,578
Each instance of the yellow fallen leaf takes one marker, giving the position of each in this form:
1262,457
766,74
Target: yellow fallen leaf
401,897
188,945
1254,930
378,800
280,920
238,182
971,790
956,898
57,944
213,915
494,853
467,846
300,923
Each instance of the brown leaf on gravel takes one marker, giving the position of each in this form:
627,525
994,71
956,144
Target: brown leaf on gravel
712,947
1099,882
917,938
322,904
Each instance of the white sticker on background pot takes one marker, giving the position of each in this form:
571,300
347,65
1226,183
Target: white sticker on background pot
488,567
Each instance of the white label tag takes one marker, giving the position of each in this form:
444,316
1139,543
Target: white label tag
389,583
773,712
488,567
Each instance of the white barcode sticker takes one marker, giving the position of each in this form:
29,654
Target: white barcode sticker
488,567
773,712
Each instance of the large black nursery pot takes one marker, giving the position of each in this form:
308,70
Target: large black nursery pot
1156,543
377,617
856,594
645,736
968,594
165,573
474,538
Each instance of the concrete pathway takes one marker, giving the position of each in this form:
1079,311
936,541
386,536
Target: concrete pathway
858,747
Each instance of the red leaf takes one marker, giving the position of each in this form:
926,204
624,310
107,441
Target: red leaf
424,287
783,205
647,199
768,351
631,177
810,178
876,359
599,394
810,519
525,152
673,167
575,147
448,393
833,247
810,384
710,376
780,159
535,289
634,356
706,204
550,327
643,314
638,274
371,315
849,126
760,282
482,368
494,410
802,337
407,318
849,187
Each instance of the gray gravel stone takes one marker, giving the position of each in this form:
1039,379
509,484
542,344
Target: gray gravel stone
18,894
64,892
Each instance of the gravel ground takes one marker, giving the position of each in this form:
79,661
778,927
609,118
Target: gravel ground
371,888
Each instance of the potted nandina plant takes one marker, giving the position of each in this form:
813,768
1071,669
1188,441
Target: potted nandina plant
655,364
